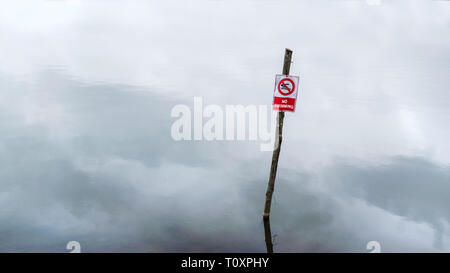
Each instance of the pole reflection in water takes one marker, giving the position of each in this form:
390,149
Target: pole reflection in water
268,234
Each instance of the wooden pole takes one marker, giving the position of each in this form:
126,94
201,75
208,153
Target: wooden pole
278,140
268,235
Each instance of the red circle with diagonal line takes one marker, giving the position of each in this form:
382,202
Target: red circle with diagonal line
282,82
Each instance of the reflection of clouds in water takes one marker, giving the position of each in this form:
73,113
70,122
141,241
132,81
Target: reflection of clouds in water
113,179
373,78
413,188
86,152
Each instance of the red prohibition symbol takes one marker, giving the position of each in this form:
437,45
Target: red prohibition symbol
283,83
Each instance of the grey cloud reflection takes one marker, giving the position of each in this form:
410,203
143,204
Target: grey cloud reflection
95,163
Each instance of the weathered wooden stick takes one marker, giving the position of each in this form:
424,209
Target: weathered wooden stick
268,234
278,140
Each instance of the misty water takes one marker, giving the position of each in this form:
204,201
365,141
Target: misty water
86,152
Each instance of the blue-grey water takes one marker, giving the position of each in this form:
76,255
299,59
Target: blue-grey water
86,152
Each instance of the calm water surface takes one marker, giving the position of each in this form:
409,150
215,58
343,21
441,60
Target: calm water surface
86,153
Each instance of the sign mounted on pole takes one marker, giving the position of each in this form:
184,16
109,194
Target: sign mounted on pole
285,93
